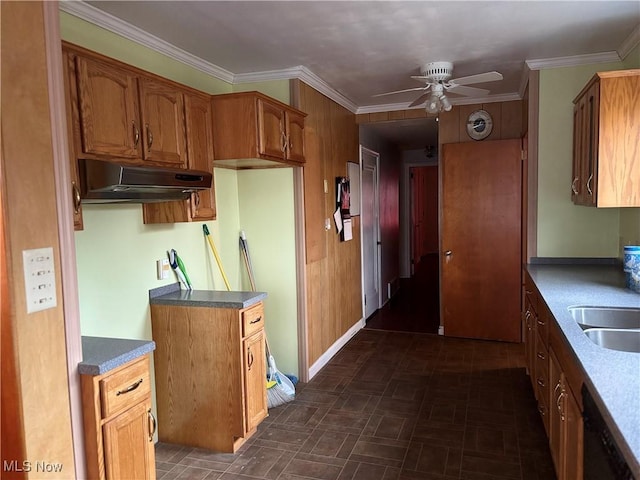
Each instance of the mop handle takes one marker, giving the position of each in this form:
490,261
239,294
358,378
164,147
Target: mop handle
215,254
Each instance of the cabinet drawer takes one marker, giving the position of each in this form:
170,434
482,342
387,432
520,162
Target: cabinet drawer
252,319
125,387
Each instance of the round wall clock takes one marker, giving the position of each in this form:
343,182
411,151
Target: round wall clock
479,124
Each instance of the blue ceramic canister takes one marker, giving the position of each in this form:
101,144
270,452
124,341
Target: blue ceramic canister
631,258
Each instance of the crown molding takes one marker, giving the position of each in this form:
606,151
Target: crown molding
300,73
115,25
392,107
629,43
572,61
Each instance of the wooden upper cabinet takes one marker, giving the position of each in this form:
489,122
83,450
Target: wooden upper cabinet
202,205
253,130
163,121
295,136
200,152
108,109
606,141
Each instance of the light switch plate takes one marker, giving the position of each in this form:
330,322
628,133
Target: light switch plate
39,279
163,268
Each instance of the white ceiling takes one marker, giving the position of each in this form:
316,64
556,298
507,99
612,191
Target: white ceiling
362,48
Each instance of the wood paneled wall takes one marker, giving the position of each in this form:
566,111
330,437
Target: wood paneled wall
40,393
507,122
334,294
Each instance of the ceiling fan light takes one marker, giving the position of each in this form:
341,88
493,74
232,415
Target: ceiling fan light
433,104
446,103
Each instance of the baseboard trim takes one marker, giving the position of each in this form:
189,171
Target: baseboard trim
333,349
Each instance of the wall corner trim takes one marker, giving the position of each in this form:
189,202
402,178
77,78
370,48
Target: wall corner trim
333,349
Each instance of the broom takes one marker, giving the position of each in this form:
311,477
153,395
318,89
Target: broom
280,389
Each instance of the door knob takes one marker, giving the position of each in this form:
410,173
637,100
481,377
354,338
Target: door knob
448,253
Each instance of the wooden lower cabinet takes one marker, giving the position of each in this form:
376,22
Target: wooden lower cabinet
118,423
565,425
210,370
554,377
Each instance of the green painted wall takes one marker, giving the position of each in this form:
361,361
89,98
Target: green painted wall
564,229
116,253
278,89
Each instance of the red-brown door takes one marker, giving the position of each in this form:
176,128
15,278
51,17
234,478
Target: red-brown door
481,240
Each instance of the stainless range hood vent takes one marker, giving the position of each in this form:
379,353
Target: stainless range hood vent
108,182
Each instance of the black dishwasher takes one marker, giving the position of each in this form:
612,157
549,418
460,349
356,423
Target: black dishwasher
602,458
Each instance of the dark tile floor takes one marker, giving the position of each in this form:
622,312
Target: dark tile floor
393,406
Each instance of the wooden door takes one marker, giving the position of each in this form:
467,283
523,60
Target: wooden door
200,153
128,445
271,134
163,131
424,211
481,240
295,136
108,108
370,218
254,375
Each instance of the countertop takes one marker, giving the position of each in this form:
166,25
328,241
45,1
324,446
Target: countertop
172,295
612,377
101,354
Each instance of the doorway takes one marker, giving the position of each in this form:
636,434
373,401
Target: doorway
369,217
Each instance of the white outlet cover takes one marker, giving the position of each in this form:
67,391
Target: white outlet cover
39,279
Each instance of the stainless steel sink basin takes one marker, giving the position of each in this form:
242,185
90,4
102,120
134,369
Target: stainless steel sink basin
624,340
606,317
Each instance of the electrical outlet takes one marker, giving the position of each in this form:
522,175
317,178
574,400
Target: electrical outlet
39,279
163,268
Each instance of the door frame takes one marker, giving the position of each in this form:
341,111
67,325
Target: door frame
378,260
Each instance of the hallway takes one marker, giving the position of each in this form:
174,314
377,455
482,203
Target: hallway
393,406
416,306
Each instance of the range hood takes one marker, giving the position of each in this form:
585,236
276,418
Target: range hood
108,182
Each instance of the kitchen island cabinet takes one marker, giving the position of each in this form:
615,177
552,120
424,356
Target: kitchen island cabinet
606,141
210,367
116,400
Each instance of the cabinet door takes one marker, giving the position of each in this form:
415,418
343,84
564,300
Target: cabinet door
271,130
255,375
200,152
556,415
295,137
578,147
128,444
71,98
573,439
163,132
108,107
590,158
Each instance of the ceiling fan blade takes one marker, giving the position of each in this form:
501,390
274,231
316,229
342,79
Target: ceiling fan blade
401,91
479,78
467,91
421,99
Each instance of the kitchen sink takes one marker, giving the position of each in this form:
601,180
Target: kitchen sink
606,317
625,340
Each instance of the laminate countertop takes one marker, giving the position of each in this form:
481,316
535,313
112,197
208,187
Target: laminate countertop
612,377
102,354
172,295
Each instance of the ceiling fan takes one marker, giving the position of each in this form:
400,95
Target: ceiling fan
437,79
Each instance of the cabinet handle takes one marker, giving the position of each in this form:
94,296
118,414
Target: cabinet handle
152,424
136,135
149,136
130,388
540,382
76,198
540,355
541,323
528,292
255,321
559,405
284,142
527,315
573,186
589,184
542,410
250,359
197,199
